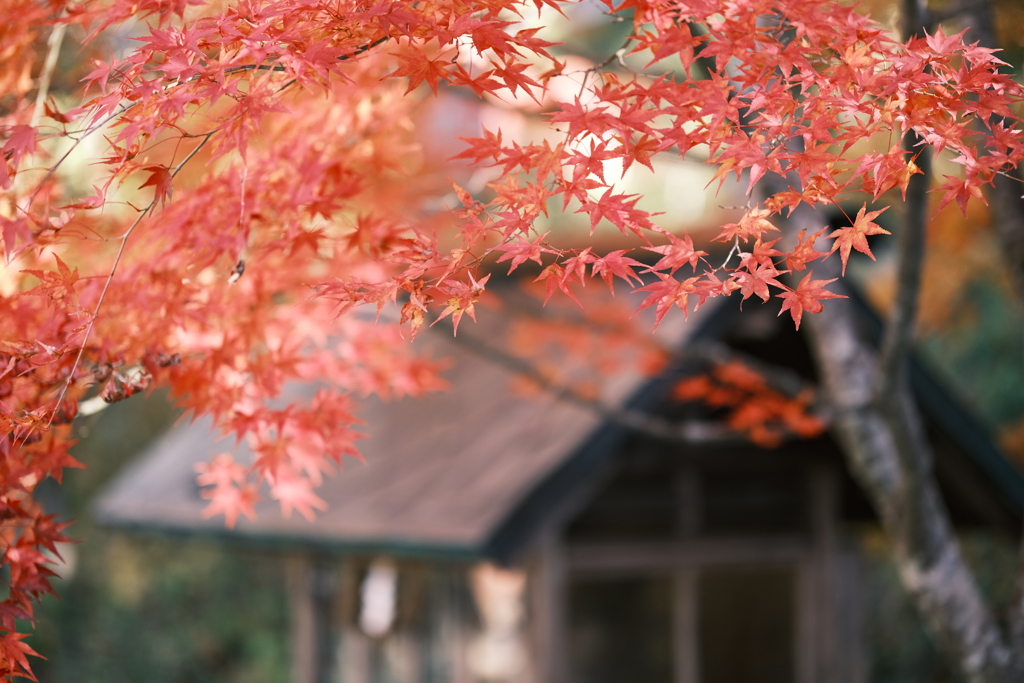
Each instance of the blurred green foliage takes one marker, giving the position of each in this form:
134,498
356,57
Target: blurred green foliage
984,357
154,609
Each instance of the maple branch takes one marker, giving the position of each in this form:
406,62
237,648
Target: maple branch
889,453
278,67
1004,197
125,108
687,432
615,56
781,379
778,378
732,252
899,332
1007,207
113,271
673,431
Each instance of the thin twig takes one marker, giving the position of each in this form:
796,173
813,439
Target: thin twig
125,108
110,278
735,250
686,432
899,332
53,52
675,431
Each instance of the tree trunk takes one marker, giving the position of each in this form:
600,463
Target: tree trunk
886,450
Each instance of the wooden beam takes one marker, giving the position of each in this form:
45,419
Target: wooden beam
668,556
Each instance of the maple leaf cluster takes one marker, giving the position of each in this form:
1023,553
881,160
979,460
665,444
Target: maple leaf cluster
752,407
262,198
792,88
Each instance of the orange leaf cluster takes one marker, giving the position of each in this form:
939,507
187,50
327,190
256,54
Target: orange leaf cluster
751,406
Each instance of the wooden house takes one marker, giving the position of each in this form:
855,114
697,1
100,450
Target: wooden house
492,537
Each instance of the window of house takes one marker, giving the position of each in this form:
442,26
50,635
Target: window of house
676,576
620,630
746,625
742,627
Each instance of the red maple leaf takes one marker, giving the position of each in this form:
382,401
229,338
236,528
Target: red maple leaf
807,296
22,142
14,655
57,286
804,251
755,280
557,277
161,180
616,264
666,293
462,300
855,236
480,149
295,492
676,253
230,500
522,250
753,224
418,67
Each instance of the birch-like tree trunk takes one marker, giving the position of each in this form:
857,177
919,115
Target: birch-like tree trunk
880,430
886,451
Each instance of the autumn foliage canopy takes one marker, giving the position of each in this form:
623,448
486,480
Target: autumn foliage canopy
255,181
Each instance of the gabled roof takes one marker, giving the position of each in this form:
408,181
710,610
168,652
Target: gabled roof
477,470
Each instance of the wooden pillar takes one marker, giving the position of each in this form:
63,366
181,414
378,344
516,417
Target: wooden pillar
824,569
302,622
310,594
352,645
852,658
686,665
685,655
807,626
548,603
455,625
